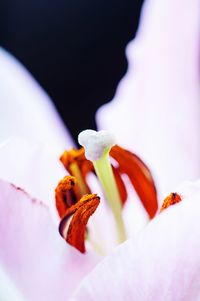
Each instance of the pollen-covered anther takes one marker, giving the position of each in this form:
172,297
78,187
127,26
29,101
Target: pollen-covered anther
65,195
71,156
73,225
66,183
139,175
95,143
170,200
78,166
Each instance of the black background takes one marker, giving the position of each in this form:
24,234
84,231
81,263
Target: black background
75,49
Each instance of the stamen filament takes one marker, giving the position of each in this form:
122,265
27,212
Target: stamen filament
75,171
106,177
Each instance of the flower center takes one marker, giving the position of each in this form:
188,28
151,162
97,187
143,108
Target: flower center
94,158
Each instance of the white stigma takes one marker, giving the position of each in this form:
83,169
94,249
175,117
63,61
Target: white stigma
95,143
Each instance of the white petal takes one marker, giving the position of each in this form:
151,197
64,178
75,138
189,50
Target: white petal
156,110
8,290
163,264
26,109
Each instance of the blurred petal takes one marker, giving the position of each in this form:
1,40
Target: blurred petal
26,109
29,166
163,264
38,260
8,290
156,110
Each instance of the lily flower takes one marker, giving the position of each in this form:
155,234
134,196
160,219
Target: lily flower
34,258
38,261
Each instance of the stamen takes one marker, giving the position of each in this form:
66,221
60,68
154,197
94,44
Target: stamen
139,175
80,213
65,194
97,147
170,200
74,202
77,165
81,183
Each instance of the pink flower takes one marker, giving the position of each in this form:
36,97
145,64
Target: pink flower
159,97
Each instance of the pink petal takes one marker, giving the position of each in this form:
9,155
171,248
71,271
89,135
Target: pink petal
37,259
26,109
156,110
163,264
29,166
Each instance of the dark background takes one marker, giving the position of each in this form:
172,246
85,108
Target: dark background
74,48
